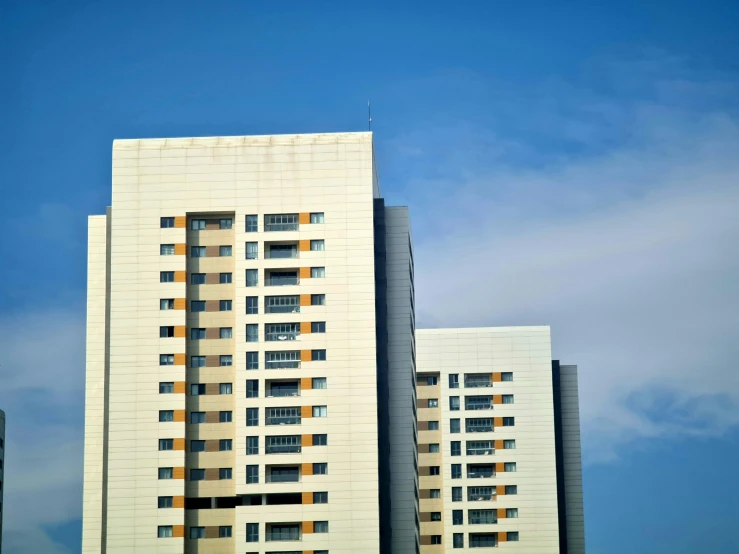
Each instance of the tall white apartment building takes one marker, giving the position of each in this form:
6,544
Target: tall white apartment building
498,443
250,352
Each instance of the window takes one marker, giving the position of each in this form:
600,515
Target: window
226,332
166,359
320,526
433,426
435,493
166,222
225,473
197,333
225,445
281,222
197,251
453,380
166,276
252,277
456,494
432,380
197,446
317,299
197,361
433,402
225,251
252,474
197,306
511,512
225,305
226,223
318,327
164,502
252,417
225,416
320,439
507,399
252,388
252,305
435,516
283,444
509,421
166,332
225,360
166,388
458,540
164,531
317,245
320,469
197,389
197,278
252,532
320,411
434,448
225,388
252,360
506,376
480,448
197,224
509,444
166,304
435,539
317,272
479,424
457,517
320,498
480,493
166,415
316,217
252,332
509,467
512,536
252,445
454,426
318,355
166,444
434,470
226,278
319,383
456,471
252,224
482,517
456,448
197,532
478,402
166,249
511,489
166,473
225,531
252,250
454,403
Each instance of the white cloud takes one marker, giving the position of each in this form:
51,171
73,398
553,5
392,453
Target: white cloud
42,393
627,249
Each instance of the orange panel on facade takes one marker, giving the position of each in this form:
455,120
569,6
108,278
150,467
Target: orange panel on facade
499,467
307,498
307,527
180,359
305,299
179,387
180,331
179,415
305,356
497,378
304,245
502,537
304,218
180,222
306,440
307,469
499,445
179,444
178,472
180,304
501,513
178,501
500,490
180,249
180,276
306,411
178,531
304,327
498,421
497,399
305,273
306,383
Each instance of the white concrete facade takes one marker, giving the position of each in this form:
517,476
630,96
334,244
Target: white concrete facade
231,178
518,363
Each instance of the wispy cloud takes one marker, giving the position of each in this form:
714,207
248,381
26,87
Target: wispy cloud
622,237
42,393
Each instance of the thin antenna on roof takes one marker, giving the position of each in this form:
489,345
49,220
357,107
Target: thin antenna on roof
369,115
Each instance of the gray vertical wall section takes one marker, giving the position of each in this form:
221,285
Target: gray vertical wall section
401,380
572,463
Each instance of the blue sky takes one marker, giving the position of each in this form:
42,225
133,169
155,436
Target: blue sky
574,162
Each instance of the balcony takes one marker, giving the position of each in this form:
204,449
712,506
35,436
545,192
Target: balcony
477,381
480,472
281,251
480,448
284,533
281,222
281,331
478,425
283,449
283,475
282,304
482,517
283,416
288,359
480,494
478,402
281,278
